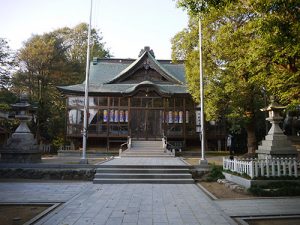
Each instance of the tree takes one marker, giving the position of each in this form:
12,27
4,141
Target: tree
6,67
248,45
48,60
6,63
6,96
276,50
74,41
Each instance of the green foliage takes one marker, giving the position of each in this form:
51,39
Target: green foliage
49,60
57,142
6,98
276,189
215,173
4,107
74,41
6,63
277,178
248,46
258,39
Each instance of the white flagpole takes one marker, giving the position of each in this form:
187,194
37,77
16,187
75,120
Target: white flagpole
86,92
202,130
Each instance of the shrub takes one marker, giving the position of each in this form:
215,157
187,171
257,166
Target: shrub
215,173
57,142
276,189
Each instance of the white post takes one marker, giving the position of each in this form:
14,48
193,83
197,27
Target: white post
295,168
278,168
267,168
86,93
262,172
256,168
251,169
284,166
203,161
273,168
234,165
290,167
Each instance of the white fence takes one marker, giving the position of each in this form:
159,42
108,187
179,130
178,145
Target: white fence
64,148
45,148
259,168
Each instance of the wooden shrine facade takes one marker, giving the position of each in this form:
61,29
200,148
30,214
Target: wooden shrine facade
145,116
144,99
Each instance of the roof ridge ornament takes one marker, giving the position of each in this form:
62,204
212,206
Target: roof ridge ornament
147,49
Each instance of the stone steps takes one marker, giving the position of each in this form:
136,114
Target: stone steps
146,149
144,166
152,149
156,156
129,153
143,181
115,174
142,170
153,144
143,175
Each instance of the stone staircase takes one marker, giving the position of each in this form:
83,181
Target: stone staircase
162,174
144,173
146,149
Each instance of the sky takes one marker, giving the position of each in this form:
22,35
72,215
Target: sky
126,25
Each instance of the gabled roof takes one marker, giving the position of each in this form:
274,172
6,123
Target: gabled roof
105,75
152,62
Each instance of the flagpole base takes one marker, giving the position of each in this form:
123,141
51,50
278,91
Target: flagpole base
83,161
203,163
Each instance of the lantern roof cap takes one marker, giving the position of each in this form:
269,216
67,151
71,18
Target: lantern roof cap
274,106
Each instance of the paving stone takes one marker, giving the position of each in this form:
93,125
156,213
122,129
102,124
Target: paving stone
160,218
130,218
261,206
116,204
160,223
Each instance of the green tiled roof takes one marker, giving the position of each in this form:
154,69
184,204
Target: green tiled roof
104,73
154,62
122,88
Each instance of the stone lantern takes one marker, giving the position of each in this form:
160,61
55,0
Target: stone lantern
276,143
21,147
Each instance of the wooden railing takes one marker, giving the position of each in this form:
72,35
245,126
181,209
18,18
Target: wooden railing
275,167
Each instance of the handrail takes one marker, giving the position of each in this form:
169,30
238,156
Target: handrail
169,147
164,140
127,144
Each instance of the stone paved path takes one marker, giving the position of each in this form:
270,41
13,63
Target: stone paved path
138,204
39,191
261,207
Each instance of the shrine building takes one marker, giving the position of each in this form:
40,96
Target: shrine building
144,99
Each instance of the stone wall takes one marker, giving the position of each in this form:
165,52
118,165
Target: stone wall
48,174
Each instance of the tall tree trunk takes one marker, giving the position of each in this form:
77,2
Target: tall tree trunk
251,138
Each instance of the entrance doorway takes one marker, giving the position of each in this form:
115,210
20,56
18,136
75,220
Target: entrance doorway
146,124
